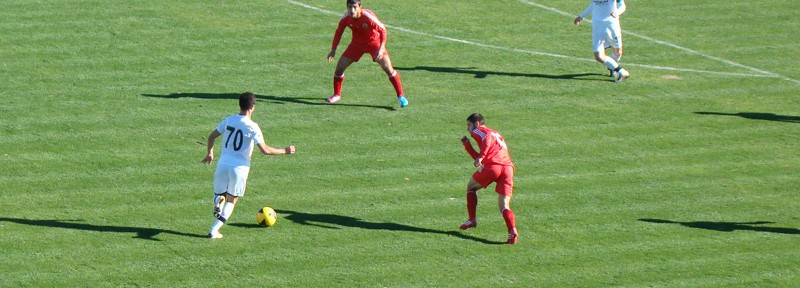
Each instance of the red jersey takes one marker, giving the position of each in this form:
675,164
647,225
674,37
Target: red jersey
367,29
493,147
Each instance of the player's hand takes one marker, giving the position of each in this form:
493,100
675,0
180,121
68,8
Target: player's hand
380,53
464,140
478,162
578,20
290,149
331,55
209,158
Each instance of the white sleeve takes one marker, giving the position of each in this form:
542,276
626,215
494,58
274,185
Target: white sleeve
258,134
587,11
221,126
620,7
259,137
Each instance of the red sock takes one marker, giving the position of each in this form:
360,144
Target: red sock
398,85
337,84
511,224
472,204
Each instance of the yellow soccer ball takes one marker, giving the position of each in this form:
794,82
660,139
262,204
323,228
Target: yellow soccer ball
266,217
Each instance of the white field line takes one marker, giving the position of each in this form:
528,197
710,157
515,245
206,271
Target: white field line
726,61
315,8
539,53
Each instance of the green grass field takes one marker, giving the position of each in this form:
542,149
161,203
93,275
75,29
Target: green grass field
684,175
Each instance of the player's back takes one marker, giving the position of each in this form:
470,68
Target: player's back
493,144
239,136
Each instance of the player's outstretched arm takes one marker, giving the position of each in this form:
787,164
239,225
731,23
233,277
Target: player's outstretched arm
583,15
267,150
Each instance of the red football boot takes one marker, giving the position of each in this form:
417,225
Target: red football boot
468,224
512,238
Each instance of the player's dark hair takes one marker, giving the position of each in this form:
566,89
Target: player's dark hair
247,100
354,2
476,117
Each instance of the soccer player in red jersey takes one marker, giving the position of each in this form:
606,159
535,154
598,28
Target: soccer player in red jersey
494,165
369,36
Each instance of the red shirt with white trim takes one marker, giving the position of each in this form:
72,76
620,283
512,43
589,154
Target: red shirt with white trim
367,29
493,148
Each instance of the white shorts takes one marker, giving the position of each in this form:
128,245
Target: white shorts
606,35
230,179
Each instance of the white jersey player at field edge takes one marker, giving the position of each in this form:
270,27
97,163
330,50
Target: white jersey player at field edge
240,136
606,32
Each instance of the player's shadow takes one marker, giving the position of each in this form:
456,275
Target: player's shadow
757,116
141,233
483,74
332,221
265,98
729,226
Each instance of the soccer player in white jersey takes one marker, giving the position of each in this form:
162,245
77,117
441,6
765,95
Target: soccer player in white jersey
606,32
240,135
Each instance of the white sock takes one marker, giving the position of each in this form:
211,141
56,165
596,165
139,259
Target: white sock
215,227
610,63
227,210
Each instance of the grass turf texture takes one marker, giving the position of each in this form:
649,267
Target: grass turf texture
668,179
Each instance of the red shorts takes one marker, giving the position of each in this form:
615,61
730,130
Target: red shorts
500,174
355,51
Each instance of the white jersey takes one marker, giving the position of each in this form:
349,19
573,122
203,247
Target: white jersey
601,10
239,136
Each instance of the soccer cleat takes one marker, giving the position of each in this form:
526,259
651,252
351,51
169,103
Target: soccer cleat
468,224
622,74
512,238
219,201
403,101
214,235
334,98
612,73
